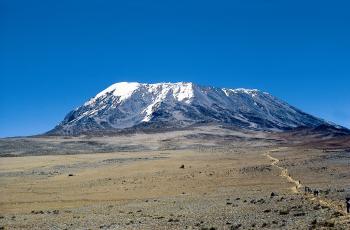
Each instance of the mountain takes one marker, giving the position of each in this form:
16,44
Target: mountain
128,105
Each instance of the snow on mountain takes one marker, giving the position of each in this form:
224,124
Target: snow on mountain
121,89
132,104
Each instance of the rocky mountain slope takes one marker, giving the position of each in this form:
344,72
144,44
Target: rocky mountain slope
175,105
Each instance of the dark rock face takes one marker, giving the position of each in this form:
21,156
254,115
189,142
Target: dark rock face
166,105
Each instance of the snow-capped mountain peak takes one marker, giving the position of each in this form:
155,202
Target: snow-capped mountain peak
133,104
123,90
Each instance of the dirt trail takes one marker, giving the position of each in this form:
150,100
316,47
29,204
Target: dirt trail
284,172
297,185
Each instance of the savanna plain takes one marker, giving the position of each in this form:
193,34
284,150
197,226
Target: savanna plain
205,177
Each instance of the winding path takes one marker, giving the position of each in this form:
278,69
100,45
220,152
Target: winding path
297,185
284,172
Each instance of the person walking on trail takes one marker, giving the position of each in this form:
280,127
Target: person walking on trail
348,205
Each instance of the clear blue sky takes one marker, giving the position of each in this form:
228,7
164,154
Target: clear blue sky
54,55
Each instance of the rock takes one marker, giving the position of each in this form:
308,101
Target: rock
182,166
235,227
56,212
328,224
336,214
37,212
273,194
284,212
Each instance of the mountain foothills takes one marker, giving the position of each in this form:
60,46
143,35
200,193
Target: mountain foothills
132,105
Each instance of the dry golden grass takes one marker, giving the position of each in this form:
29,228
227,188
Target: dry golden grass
223,187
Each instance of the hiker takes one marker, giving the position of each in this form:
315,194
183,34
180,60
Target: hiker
307,189
348,205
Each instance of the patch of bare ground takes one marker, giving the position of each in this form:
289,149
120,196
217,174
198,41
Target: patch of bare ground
244,184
